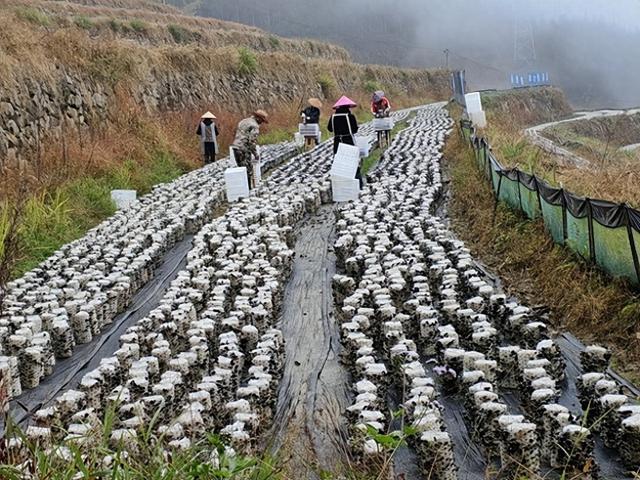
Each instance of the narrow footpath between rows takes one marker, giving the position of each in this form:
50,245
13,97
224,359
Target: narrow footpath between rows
309,434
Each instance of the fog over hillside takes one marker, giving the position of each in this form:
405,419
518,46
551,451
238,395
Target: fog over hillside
591,48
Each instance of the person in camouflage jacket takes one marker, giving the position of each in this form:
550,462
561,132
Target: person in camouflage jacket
246,142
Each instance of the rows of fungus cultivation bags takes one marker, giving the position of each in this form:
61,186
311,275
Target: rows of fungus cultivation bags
209,357
415,308
72,296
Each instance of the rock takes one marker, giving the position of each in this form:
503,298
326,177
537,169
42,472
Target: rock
6,109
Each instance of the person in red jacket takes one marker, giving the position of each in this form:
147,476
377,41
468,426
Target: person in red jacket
380,105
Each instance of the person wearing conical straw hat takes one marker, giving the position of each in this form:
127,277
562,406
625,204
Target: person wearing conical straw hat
311,116
208,132
344,126
343,123
245,145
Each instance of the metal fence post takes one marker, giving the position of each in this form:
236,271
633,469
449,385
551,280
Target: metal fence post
632,244
519,191
592,243
535,181
564,218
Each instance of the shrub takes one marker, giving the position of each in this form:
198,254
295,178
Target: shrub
327,84
33,15
83,22
248,63
110,65
138,26
274,41
371,86
180,34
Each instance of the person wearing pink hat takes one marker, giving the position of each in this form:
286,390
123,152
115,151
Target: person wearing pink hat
344,126
343,123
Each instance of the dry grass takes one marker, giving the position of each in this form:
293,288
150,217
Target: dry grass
611,176
135,22
580,298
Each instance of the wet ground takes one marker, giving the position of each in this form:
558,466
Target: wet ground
309,435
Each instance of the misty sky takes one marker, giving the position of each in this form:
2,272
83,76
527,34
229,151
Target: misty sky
591,48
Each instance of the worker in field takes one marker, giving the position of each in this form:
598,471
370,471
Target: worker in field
208,132
344,126
311,116
380,105
245,145
343,123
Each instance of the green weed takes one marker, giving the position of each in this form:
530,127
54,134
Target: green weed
138,26
371,86
181,34
83,22
145,458
274,41
247,62
327,84
33,15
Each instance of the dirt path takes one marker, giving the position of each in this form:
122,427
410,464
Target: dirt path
309,434
536,134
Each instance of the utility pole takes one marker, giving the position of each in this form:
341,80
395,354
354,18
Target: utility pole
446,58
524,48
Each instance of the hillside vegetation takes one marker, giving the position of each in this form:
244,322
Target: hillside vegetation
577,297
612,175
601,140
99,95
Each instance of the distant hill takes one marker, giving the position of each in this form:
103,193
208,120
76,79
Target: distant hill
595,62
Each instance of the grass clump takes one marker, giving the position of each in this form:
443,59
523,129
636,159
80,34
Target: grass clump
247,61
327,84
371,86
33,15
110,65
83,22
181,34
274,41
116,26
138,26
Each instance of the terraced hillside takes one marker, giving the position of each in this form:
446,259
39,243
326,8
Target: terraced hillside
68,66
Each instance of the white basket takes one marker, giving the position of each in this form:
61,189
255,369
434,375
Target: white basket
473,102
382,124
236,183
364,145
344,189
123,198
479,119
346,161
309,129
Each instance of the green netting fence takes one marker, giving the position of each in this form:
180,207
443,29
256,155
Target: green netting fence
604,233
